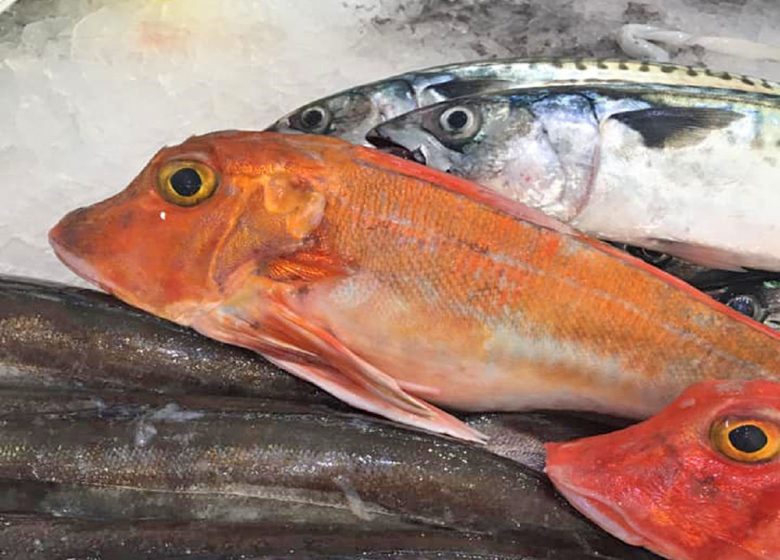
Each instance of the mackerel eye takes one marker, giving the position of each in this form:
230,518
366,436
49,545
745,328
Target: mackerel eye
746,440
186,183
314,119
747,305
459,122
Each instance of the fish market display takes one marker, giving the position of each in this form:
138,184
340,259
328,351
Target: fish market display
700,480
56,336
350,114
392,286
689,172
45,538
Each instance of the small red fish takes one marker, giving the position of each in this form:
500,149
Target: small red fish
394,286
699,481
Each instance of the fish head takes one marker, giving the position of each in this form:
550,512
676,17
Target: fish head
194,215
352,113
700,480
471,137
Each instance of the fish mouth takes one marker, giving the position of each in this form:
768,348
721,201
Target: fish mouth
603,514
58,241
384,144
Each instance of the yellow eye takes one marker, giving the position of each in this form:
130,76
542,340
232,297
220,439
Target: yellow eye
747,440
186,183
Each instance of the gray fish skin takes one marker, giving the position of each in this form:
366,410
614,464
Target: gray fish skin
320,458
45,538
516,436
351,113
687,172
58,336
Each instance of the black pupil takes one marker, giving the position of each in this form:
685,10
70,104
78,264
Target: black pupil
312,117
742,304
186,181
457,119
748,438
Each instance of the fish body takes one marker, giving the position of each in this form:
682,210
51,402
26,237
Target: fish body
270,464
55,336
686,172
700,480
394,286
351,113
45,538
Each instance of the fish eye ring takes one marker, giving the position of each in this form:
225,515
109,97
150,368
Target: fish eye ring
746,440
747,305
186,183
314,119
459,121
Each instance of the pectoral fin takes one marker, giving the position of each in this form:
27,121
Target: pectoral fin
259,318
674,127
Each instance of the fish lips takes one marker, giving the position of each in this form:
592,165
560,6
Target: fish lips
571,479
588,502
63,238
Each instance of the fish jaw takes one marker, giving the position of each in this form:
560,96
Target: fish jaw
413,143
588,503
607,506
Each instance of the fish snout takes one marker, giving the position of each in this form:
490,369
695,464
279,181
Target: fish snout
70,239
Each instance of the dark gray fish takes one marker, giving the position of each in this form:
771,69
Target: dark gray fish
59,336
45,538
135,460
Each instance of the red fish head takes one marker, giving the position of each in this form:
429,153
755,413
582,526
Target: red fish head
194,215
699,481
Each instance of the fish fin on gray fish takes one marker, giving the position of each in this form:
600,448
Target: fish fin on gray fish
461,88
674,127
709,257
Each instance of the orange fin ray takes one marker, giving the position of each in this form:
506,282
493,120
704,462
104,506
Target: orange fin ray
261,320
344,389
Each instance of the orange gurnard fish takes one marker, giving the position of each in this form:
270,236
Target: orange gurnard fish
699,481
393,286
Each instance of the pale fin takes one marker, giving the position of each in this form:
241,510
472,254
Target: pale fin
478,193
709,257
673,127
344,389
258,318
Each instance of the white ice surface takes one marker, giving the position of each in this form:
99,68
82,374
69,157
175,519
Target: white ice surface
90,89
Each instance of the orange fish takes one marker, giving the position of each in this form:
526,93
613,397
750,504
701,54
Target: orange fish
700,481
393,286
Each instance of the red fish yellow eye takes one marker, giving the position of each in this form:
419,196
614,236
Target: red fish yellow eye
186,183
747,440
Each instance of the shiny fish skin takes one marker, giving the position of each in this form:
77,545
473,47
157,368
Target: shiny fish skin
331,259
516,436
351,113
59,336
688,172
44,538
343,462
56,338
